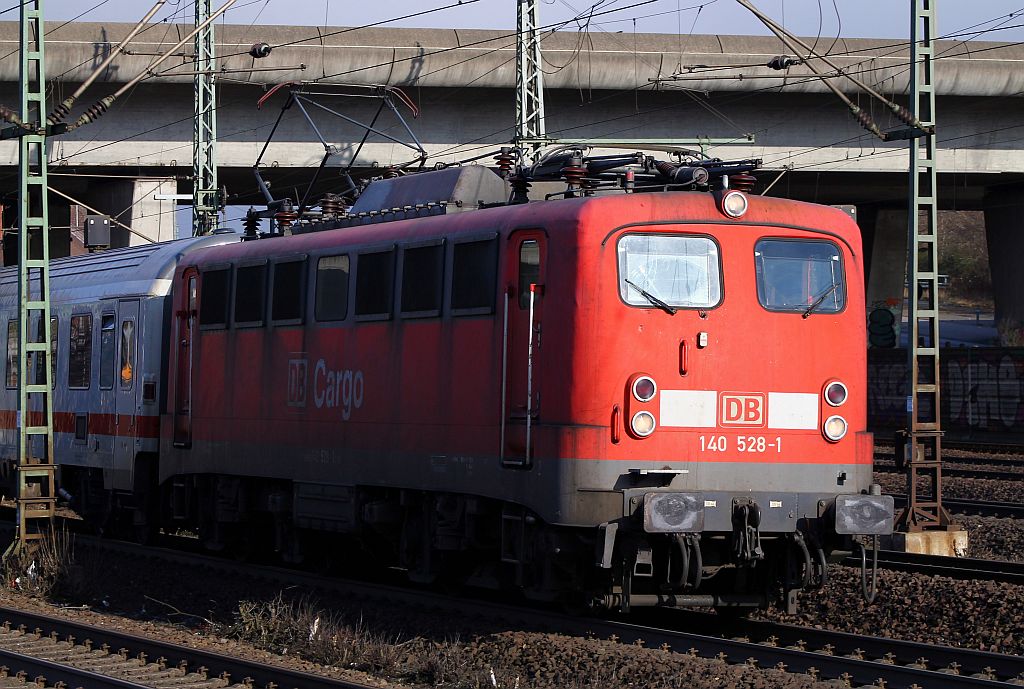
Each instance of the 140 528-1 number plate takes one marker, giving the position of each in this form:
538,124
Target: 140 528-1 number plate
744,443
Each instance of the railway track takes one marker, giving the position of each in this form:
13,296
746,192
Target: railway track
819,653
855,658
80,655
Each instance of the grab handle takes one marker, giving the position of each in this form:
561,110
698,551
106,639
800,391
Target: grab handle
683,356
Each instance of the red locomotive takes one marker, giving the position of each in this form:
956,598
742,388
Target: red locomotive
629,398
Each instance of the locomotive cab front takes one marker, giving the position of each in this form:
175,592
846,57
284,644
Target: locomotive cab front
738,435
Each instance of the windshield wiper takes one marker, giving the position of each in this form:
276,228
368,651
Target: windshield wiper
821,299
670,310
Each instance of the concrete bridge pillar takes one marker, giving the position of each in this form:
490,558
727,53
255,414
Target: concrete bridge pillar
885,245
1004,230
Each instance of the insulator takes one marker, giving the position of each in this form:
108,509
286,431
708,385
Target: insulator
251,224
505,161
60,112
520,189
284,219
574,172
742,182
331,205
10,116
390,172
260,50
93,112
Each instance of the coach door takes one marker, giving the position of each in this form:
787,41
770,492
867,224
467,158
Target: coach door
523,309
185,324
126,382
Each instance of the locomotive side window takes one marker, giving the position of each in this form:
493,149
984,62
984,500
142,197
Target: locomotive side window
676,270
422,280
213,309
529,269
80,352
332,288
287,298
250,294
799,275
474,276
12,353
375,281
127,354
107,345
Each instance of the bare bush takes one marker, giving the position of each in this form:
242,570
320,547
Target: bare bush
43,568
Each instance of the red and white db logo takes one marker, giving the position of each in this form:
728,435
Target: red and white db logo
746,409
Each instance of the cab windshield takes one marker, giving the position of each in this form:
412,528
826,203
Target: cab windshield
799,275
679,271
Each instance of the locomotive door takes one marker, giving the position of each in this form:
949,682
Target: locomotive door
523,308
185,322
126,383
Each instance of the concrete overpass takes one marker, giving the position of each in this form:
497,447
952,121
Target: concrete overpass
607,86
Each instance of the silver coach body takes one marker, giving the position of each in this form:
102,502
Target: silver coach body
120,298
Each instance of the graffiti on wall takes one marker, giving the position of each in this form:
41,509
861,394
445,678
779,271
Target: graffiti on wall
884,323
982,389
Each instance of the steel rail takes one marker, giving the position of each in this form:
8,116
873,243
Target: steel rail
185,658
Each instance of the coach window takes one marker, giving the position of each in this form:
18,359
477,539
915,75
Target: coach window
213,303
799,275
332,288
127,367
108,342
422,280
669,271
474,277
12,353
287,292
80,352
250,294
375,281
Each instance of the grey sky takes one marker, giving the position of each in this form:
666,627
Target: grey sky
860,18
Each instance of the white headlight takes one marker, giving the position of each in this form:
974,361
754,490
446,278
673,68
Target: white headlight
643,423
734,204
834,428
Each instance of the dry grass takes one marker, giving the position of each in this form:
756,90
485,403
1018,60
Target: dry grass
44,569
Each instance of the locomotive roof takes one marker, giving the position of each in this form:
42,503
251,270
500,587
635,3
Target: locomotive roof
136,271
598,214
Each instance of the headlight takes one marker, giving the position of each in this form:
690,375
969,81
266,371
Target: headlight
864,514
734,204
834,428
673,512
835,393
643,423
644,388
